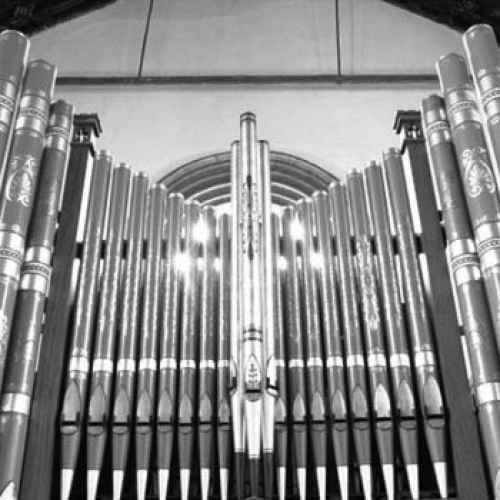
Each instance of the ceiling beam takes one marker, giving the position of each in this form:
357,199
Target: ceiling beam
365,79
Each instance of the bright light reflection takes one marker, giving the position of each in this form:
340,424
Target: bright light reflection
217,264
200,231
182,262
199,263
282,263
316,260
296,230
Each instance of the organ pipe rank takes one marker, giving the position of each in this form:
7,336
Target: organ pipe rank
251,350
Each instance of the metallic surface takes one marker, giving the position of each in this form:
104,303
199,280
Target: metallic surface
169,341
124,385
295,347
428,383
147,373
355,362
478,179
189,346
477,323
75,393
107,321
373,330
19,186
27,323
399,359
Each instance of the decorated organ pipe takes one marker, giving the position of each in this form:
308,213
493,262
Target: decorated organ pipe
18,190
357,385
253,348
464,263
14,48
476,171
33,289
373,333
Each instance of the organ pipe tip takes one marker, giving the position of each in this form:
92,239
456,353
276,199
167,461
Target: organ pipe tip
185,478
301,482
371,163
248,115
16,33
193,203
441,478
208,210
172,196
353,172
476,27
41,63
159,186
334,185
450,55
319,193
432,103
124,165
92,481
413,481
321,482
141,173
9,492
163,477
281,483
366,480
66,482
388,473
104,153
224,483
117,484
142,479
391,152
343,474
205,483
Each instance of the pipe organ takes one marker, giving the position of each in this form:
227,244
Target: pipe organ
175,349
